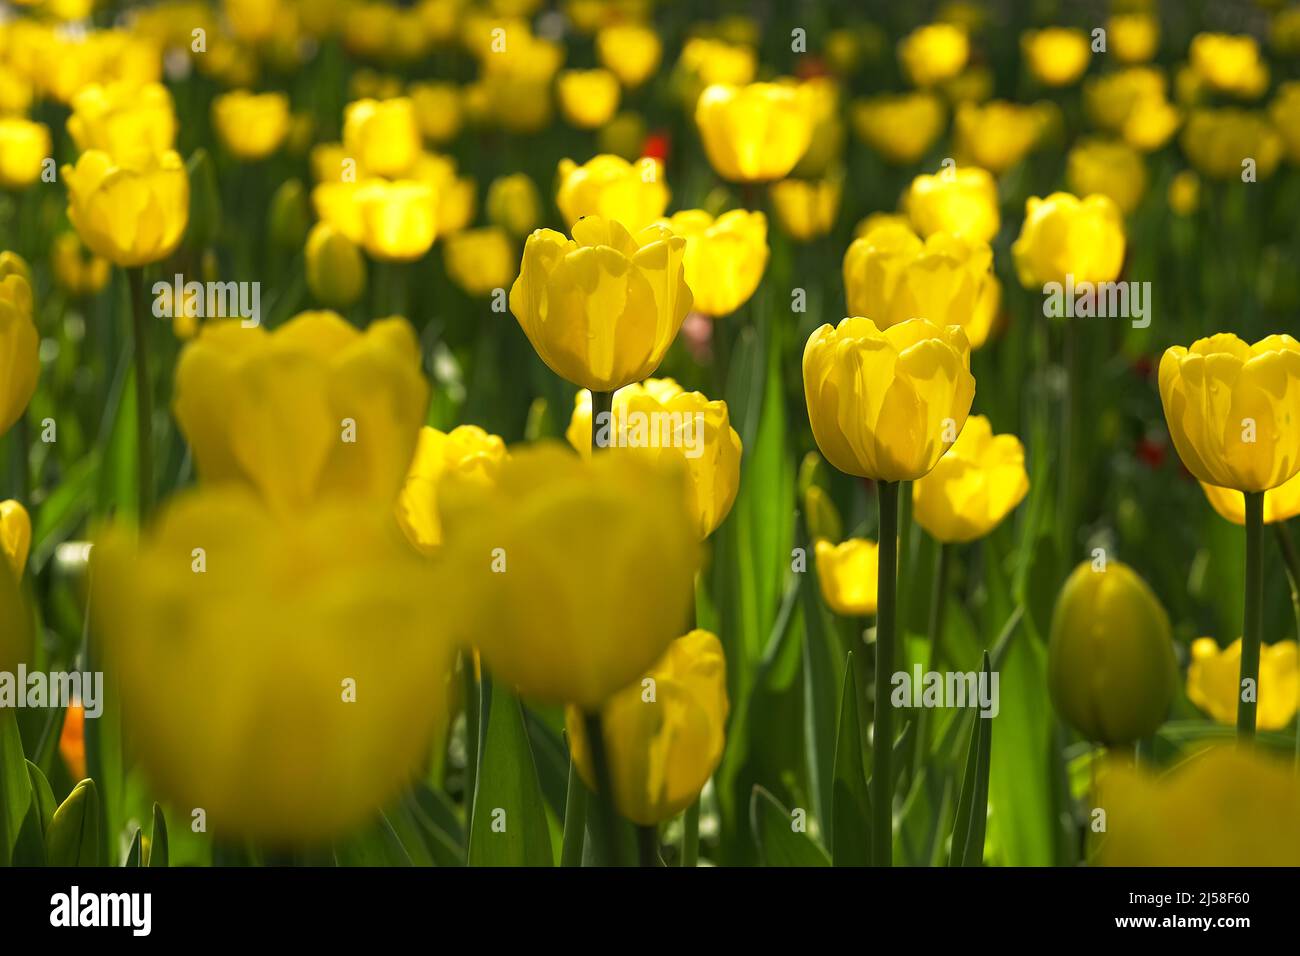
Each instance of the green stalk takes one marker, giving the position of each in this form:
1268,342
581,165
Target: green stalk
691,835
1291,561
882,779
602,407
603,798
647,846
1252,630
143,393
1069,417
575,819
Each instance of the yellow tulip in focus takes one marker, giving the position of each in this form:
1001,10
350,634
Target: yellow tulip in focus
725,257
1221,143
513,204
15,536
1280,504
805,208
383,137
438,111
1229,806
934,53
753,133
315,409
657,419
24,147
602,308
1112,169
1064,235
305,653
131,123
131,215
1110,659
996,134
634,194
630,51
900,127
663,745
887,405
1214,675
1233,409
962,201
1229,64
1057,56
1133,37
588,98
481,260
336,272
574,575
978,482
251,125
468,452
19,347
77,271
847,574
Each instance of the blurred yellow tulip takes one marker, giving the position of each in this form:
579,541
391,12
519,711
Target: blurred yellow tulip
588,98
962,201
131,215
1285,113
15,536
19,346
805,208
481,261
251,125
1229,64
76,270
826,148
1184,192
513,204
634,194
336,272
725,257
1131,103
438,111
901,127
996,134
754,133
1133,37
1112,169
933,53
1280,504
24,148
383,137
847,574
1057,56
1223,143
1214,674
976,484
393,220
131,123
1064,235
468,452
630,51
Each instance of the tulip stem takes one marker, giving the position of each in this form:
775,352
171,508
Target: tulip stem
603,803
575,819
647,846
691,835
882,780
1251,632
143,394
602,412
1291,561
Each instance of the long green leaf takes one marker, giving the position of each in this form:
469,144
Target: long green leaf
779,843
972,807
850,803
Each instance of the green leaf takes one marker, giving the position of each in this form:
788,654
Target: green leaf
73,837
15,784
135,850
375,845
972,806
819,679
850,803
508,826
779,844
158,853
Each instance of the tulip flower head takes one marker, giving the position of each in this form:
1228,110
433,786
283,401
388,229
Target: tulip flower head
634,194
725,257
467,452
847,574
130,214
1280,504
933,53
1214,682
1065,236
19,344
129,122
588,98
1057,56
962,201
754,133
900,127
976,484
251,125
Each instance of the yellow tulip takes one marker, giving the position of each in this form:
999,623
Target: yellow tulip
481,261
1229,806
131,215
254,21
1280,504
961,201
438,111
336,272
15,536
24,147
891,276
602,308
634,194
978,482
1232,409
725,257
705,61
1110,659
455,196
996,134
1229,64
826,148
807,209
513,204
383,137
314,410
304,653
1220,141
1213,682
1184,192
16,91
848,575
517,82
1285,112
605,545
657,419
887,405
588,98
753,133
1131,103
251,125
665,739
1057,56
630,51
394,221
131,123
77,271
900,127
1064,235
1133,37
19,346
877,220
1112,169
468,452
933,53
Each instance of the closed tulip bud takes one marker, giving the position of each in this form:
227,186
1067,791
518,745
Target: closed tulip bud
901,127
630,51
72,837
437,111
336,271
19,347
383,137
754,133
933,53
807,209
1230,408
77,271
996,134
588,98
1229,64
725,257
1133,37
251,125
305,654
1114,170
848,574
314,410
289,217
657,419
16,616
513,204
1218,140
129,122
887,405
15,536
130,215
1064,235
481,261
978,482
606,545
665,733
602,308
1110,659
1057,56
634,194
962,201
468,453
1214,682
24,147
